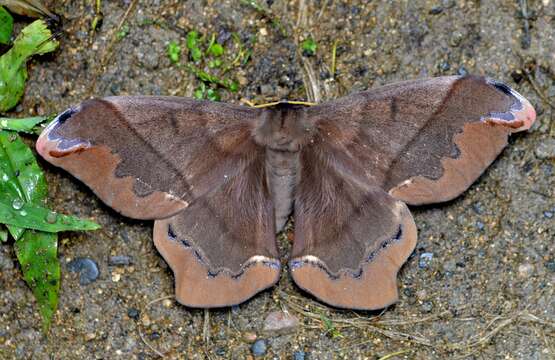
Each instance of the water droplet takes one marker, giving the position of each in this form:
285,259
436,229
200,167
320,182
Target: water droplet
17,204
4,123
23,213
51,217
5,177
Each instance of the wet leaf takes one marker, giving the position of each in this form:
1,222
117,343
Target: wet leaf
6,26
37,253
20,175
23,193
35,39
26,125
30,216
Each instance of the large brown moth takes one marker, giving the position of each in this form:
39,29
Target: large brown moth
221,180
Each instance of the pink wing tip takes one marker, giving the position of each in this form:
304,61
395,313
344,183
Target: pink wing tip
522,117
50,148
526,115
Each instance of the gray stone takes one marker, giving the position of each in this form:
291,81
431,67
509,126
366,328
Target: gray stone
87,269
259,347
280,322
546,149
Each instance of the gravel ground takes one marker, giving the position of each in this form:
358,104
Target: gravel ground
480,282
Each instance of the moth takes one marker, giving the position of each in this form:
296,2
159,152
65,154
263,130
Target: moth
220,180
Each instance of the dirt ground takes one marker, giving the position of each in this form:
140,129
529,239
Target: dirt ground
486,293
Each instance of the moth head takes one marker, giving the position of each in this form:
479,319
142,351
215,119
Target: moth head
284,127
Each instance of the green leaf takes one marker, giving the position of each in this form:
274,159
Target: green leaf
35,39
309,47
174,52
3,234
331,330
6,26
21,178
20,175
23,188
26,125
192,40
213,95
200,92
37,254
196,54
27,215
216,63
123,32
216,50
233,86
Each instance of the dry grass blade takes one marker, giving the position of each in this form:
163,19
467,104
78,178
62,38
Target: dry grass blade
393,354
141,335
377,325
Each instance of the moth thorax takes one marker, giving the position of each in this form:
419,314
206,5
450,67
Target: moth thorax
283,128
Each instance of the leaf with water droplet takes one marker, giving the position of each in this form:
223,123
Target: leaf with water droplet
31,216
21,178
37,254
27,125
51,217
17,203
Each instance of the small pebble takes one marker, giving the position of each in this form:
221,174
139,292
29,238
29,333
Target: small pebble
299,355
133,313
479,225
259,347
119,260
548,214
546,149
154,336
525,270
427,306
6,263
87,269
550,265
425,260
436,10
478,208
280,322
444,66
249,337
462,71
